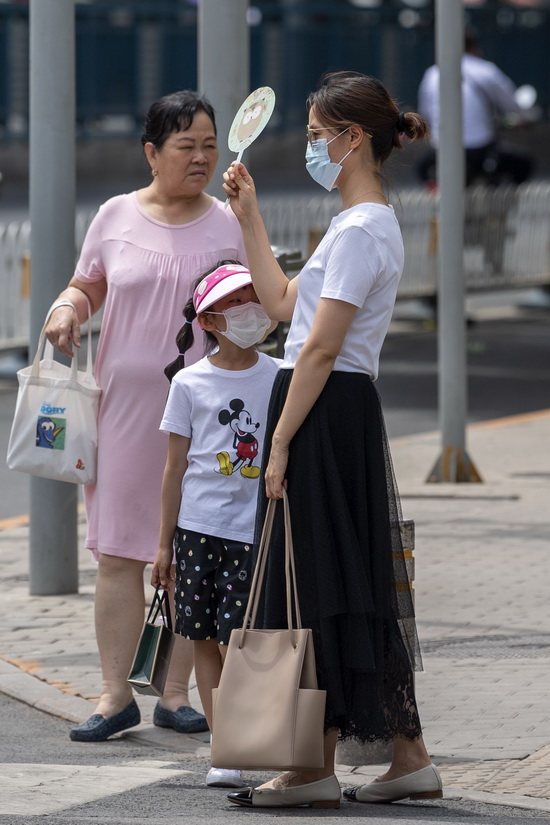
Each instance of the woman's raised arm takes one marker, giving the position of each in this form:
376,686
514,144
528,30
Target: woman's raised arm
276,292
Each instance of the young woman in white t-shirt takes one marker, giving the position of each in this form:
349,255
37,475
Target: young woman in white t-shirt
215,416
326,442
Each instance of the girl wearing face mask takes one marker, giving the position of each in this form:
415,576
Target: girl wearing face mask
215,416
326,443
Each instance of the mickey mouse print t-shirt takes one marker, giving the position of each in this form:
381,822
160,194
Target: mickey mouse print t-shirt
224,413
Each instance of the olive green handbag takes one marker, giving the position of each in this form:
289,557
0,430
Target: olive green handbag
152,658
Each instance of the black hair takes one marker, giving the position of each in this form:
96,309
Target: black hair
185,337
347,97
472,44
174,113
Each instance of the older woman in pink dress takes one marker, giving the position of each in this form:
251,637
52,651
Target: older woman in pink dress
139,258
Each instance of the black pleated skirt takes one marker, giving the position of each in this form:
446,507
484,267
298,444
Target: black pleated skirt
353,586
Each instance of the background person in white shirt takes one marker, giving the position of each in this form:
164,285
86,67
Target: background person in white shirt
487,94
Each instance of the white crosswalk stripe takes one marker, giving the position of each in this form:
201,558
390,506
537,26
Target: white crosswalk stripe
39,789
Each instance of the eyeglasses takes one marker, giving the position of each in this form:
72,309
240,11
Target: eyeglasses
311,133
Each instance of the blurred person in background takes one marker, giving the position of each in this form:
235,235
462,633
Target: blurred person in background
488,96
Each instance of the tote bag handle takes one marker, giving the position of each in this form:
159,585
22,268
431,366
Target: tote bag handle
259,573
46,348
160,604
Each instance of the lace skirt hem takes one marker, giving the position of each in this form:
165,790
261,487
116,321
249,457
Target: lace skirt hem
353,586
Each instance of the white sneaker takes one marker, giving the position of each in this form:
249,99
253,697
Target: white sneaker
224,778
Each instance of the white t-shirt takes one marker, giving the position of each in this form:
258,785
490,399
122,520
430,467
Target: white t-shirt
224,414
359,261
485,90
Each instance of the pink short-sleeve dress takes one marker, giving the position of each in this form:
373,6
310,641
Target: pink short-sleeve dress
149,268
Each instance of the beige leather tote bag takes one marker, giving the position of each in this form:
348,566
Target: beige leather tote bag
267,711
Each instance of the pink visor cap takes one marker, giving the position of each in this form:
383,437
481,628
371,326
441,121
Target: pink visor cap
223,281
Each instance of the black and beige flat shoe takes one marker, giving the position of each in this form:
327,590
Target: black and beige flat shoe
423,784
322,794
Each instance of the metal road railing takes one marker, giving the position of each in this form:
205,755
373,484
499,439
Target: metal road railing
506,244
506,235
15,278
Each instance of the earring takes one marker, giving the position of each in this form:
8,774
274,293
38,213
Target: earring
154,172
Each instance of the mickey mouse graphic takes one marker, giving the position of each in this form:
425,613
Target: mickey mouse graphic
244,441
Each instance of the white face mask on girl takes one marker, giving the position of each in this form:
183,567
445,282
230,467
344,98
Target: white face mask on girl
246,324
319,164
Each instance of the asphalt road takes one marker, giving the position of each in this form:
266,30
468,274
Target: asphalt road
44,777
508,374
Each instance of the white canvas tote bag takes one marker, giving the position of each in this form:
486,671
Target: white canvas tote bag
54,430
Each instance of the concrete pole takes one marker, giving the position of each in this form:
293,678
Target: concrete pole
18,75
53,530
453,464
224,69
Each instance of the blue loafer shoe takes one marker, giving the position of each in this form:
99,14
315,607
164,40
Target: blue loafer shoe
184,719
98,728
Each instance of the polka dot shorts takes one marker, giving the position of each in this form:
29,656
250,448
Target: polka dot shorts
213,578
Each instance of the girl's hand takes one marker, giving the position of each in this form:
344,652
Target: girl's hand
239,187
276,471
162,572
63,329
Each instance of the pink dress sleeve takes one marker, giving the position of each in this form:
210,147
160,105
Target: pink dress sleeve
90,266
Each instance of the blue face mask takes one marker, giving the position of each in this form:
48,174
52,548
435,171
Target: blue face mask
319,164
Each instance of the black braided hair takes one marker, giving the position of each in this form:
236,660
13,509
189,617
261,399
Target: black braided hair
185,337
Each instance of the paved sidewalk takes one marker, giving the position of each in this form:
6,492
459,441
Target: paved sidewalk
482,607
